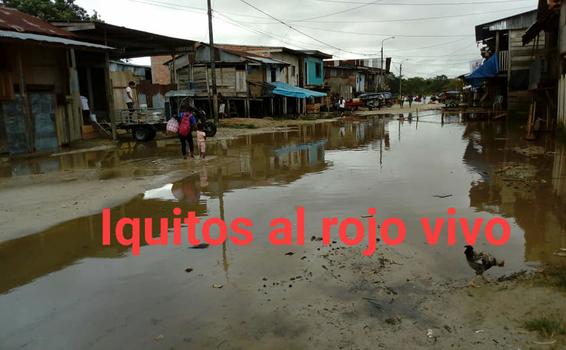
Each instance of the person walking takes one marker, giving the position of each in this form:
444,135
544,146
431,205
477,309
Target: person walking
401,101
187,122
411,99
201,141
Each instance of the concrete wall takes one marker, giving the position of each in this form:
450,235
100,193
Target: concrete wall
292,71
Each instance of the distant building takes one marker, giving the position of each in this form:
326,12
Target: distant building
248,77
350,78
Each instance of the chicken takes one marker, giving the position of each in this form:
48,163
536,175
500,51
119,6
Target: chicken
481,262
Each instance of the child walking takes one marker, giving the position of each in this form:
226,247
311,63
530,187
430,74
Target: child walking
201,141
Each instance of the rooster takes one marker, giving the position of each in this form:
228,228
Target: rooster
481,262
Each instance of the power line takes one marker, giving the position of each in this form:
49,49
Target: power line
180,7
423,4
418,19
297,30
387,35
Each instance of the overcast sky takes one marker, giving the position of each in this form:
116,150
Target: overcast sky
436,36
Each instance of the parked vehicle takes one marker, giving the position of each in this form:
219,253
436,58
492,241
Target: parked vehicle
377,100
451,99
179,98
146,122
354,104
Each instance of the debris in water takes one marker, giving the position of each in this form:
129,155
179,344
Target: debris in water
189,270
200,246
373,302
561,254
512,277
290,254
394,321
479,331
217,286
159,337
551,342
430,333
443,196
530,151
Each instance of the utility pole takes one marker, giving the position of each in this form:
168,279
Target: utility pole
212,65
382,63
401,80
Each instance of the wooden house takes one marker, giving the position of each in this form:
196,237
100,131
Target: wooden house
40,106
548,78
242,78
503,38
350,78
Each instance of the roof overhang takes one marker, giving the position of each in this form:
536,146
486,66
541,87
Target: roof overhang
51,40
130,43
519,21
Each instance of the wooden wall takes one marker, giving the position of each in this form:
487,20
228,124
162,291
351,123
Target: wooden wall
520,60
230,81
45,69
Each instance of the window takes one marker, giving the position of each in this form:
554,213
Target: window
318,70
273,75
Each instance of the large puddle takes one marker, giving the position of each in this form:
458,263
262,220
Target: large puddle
62,289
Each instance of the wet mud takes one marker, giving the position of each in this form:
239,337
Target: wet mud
60,288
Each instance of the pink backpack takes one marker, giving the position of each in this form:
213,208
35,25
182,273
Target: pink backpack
185,126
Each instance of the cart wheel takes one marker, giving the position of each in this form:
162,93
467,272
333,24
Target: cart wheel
143,133
210,129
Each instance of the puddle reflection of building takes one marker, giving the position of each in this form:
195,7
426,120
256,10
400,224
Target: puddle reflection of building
559,172
25,259
527,193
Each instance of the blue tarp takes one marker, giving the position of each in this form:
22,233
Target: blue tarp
489,69
284,89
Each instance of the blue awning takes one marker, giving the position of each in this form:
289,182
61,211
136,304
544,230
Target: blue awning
284,89
489,69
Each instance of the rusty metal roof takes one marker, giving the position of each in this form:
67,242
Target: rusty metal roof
16,21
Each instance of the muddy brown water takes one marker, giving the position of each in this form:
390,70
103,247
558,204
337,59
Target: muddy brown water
61,289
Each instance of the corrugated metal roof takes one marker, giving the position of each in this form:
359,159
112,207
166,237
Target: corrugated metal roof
50,39
521,21
266,60
14,20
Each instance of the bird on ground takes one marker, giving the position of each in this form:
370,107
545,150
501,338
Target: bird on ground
480,262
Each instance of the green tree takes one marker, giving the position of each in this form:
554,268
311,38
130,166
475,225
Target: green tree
52,10
422,86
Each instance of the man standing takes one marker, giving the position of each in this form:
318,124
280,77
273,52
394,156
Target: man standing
129,96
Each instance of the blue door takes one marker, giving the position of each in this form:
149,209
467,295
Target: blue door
15,125
42,111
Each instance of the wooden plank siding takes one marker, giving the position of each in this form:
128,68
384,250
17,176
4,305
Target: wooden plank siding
520,60
521,56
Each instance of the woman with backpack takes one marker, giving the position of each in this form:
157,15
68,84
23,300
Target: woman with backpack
187,122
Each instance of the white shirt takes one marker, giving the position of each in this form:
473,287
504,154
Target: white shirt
129,92
84,104
342,103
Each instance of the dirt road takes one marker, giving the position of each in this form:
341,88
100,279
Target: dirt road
61,288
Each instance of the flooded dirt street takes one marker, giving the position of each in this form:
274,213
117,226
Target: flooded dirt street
61,289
